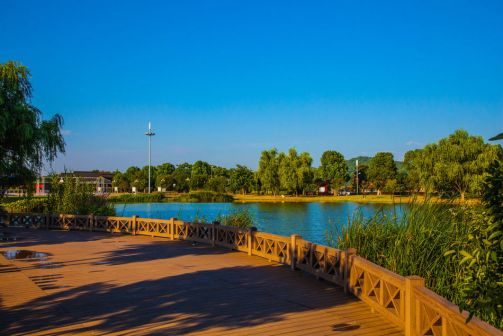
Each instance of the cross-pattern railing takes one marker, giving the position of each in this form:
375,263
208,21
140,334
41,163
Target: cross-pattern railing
404,301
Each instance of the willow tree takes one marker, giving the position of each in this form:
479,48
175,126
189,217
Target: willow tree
461,161
268,167
26,141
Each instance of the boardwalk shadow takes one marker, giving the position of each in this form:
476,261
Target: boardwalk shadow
229,298
156,250
21,237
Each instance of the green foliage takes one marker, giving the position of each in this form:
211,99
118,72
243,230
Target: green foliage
136,198
290,173
33,205
480,254
181,176
461,161
456,249
120,181
241,179
26,141
333,168
204,197
74,197
382,168
268,171
217,184
240,218
455,165
199,175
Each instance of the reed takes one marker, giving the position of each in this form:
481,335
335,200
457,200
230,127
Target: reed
417,240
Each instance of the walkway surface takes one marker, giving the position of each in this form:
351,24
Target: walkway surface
95,283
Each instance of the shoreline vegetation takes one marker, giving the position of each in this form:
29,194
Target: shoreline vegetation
39,203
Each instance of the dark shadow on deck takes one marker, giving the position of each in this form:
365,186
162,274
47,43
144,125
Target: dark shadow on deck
156,250
30,237
230,297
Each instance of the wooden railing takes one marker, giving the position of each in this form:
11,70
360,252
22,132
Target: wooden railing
404,301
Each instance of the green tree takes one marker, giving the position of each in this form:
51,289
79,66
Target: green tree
217,184
305,173
241,179
333,168
362,178
419,164
130,174
461,162
68,195
140,180
26,141
181,176
120,181
200,174
165,169
219,171
287,171
381,169
268,171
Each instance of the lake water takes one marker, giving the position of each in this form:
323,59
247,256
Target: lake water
311,220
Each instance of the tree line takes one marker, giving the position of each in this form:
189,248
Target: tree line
454,166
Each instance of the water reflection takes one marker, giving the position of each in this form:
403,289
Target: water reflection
24,255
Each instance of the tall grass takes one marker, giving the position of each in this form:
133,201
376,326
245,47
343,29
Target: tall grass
239,218
419,242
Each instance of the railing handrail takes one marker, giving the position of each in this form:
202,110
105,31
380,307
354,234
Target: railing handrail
402,300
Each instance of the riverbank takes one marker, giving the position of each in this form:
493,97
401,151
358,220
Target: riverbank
378,199
211,197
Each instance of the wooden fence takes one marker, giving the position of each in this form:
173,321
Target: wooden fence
404,301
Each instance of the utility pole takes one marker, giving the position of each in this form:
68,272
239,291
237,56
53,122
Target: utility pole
357,177
150,134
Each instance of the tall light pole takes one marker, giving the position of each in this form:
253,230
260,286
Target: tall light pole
357,177
150,134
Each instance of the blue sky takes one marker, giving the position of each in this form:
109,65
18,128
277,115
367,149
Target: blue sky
223,80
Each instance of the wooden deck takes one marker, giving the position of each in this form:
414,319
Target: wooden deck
97,283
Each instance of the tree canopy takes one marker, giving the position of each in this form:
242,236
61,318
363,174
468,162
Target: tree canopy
382,168
26,141
333,168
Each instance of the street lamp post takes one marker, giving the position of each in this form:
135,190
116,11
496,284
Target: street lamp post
150,134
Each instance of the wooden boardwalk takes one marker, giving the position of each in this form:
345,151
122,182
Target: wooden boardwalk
97,283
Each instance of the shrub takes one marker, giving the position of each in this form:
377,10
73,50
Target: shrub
74,197
34,205
136,198
204,197
241,219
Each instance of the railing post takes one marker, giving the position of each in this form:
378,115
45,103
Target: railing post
133,224
410,307
214,232
250,240
47,219
90,221
293,250
172,228
348,260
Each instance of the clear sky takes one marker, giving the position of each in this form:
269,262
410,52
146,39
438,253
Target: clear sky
223,80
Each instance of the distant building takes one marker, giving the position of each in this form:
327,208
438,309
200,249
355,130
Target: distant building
102,181
324,188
